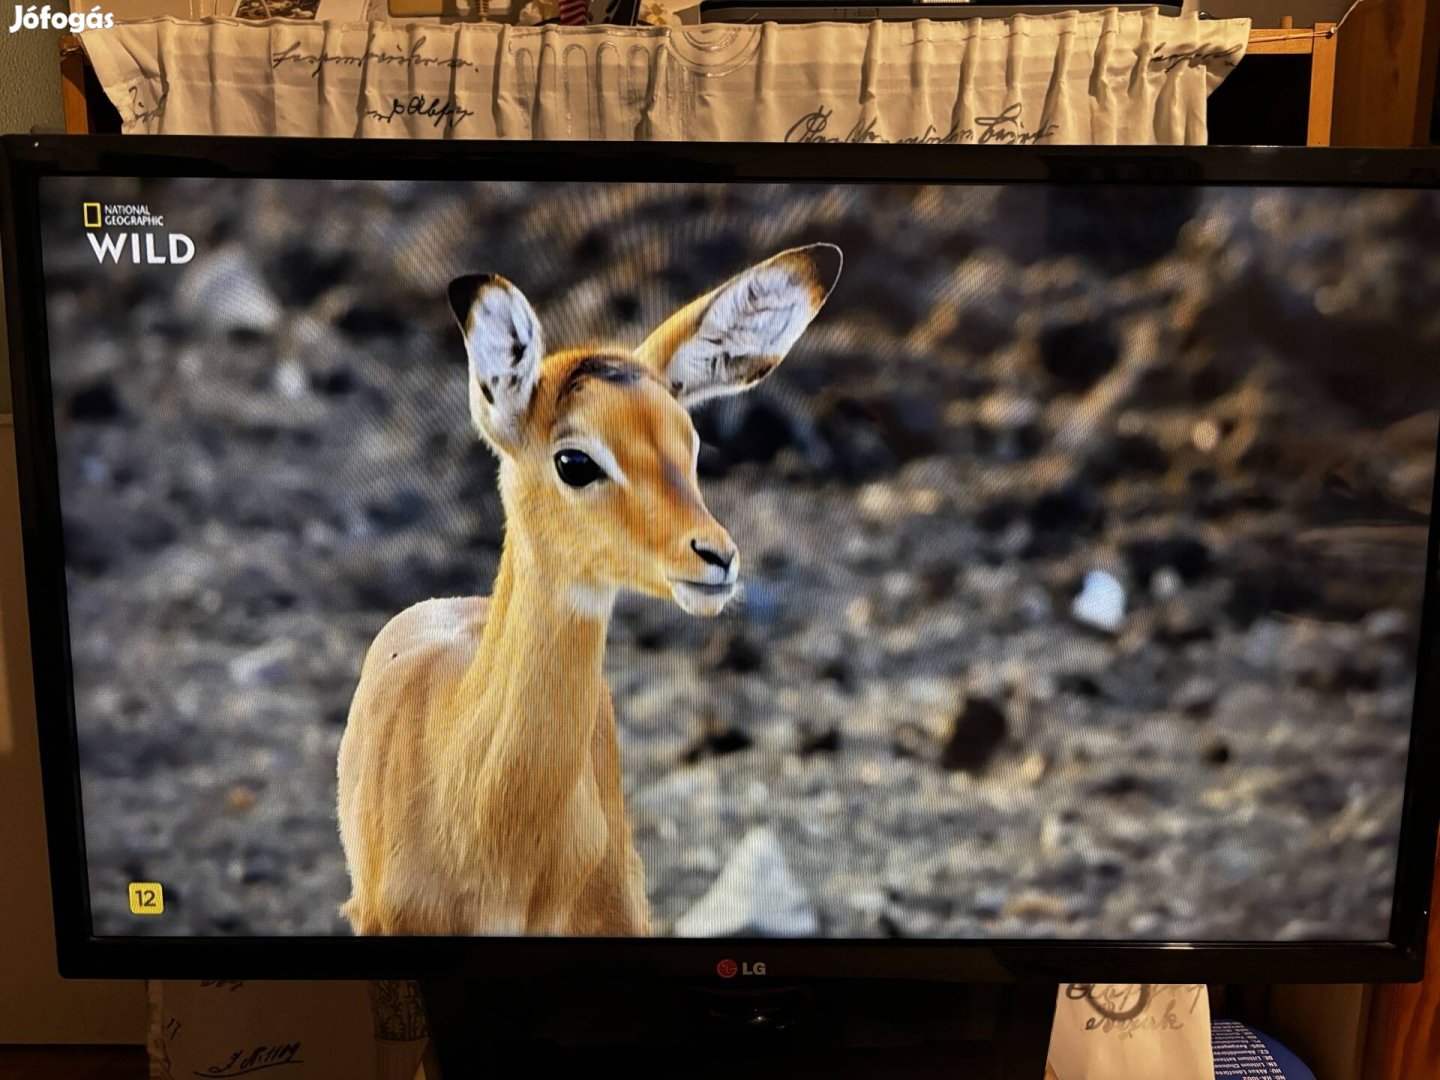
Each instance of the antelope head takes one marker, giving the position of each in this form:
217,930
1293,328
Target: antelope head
597,451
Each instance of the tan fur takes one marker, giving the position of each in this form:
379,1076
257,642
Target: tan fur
479,775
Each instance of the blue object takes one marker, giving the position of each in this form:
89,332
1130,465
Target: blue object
1242,1053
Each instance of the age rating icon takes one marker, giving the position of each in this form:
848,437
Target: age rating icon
147,898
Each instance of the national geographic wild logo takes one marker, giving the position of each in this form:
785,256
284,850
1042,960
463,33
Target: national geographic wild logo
131,233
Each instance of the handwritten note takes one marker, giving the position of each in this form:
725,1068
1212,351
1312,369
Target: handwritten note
224,1028
1108,1030
406,55
435,109
254,1058
1005,128
145,111
1195,57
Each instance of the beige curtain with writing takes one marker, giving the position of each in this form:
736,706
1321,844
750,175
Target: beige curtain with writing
1098,77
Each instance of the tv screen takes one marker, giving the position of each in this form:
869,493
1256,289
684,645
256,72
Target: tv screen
563,558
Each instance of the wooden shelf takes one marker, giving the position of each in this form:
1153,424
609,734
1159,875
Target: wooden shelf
1284,41
1318,44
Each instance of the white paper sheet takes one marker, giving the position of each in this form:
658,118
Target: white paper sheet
1131,1031
300,1030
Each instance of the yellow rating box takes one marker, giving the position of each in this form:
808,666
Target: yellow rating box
147,898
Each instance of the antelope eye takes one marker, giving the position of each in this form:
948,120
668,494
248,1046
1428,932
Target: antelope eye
577,468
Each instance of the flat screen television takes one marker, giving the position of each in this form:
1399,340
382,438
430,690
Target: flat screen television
696,560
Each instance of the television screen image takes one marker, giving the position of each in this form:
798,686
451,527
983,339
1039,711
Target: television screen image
803,560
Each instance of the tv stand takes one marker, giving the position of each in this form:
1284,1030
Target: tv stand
669,1028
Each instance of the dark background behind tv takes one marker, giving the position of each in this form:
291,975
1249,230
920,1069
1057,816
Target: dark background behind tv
1222,399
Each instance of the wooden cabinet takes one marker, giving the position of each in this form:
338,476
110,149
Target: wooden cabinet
1385,70
1369,80
1404,1034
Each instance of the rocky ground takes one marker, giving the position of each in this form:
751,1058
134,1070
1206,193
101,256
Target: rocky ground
1083,534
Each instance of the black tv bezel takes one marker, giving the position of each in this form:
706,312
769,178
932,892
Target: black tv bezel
81,954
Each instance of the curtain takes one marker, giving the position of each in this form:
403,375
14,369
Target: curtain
1099,77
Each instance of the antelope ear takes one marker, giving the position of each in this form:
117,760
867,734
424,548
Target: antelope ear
502,337
730,339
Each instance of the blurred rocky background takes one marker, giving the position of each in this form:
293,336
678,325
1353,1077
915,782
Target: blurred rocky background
1083,537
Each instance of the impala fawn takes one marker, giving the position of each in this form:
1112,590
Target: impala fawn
479,775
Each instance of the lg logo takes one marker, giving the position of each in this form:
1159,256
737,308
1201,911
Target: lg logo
728,969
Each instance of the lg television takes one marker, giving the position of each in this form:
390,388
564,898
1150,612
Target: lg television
702,561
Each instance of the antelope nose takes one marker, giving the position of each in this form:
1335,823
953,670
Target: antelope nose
710,553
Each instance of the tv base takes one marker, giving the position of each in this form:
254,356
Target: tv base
659,1027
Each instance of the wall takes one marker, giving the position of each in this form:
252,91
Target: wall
36,1005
